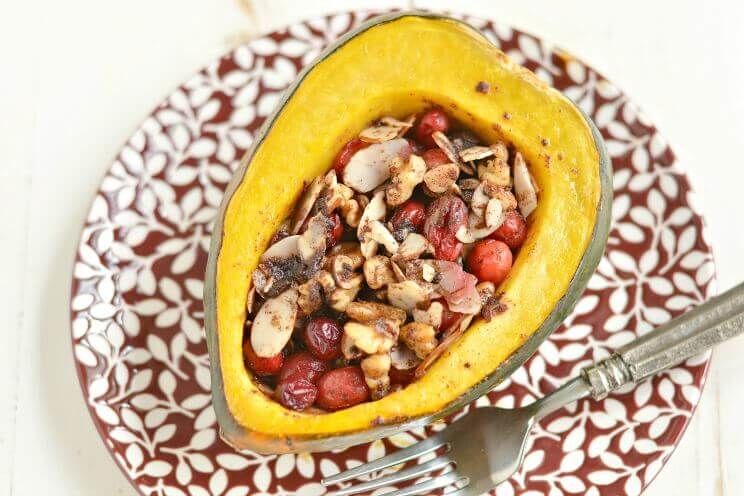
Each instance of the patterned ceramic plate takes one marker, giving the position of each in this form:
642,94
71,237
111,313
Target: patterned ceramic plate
136,307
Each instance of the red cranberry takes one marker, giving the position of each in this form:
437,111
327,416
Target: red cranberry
348,151
259,365
296,394
433,120
342,388
323,338
434,157
303,365
512,231
335,232
490,260
444,217
408,218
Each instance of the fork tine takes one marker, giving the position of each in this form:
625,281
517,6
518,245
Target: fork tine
399,476
414,451
438,482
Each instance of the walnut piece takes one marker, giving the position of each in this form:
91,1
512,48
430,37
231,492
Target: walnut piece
376,368
378,272
371,338
441,178
404,177
367,311
419,337
407,294
431,316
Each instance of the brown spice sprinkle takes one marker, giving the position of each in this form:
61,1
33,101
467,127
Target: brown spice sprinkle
545,142
492,307
482,87
507,115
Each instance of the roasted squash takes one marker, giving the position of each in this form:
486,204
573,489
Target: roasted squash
396,65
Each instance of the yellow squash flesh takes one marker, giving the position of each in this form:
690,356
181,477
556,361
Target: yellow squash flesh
394,68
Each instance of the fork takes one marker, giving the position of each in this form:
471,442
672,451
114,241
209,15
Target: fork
486,446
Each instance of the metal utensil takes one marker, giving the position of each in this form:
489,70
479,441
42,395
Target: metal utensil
486,446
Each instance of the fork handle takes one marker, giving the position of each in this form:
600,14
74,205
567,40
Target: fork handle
715,321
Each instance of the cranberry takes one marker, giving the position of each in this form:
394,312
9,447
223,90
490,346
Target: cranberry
323,338
407,218
342,388
348,151
433,120
416,147
434,157
259,365
335,232
302,365
297,394
444,217
401,376
490,260
512,231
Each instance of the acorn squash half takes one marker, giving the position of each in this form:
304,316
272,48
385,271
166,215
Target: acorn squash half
395,65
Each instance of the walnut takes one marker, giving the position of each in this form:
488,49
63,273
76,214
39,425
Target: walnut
340,298
413,247
367,311
405,176
349,349
343,268
378,272
382,236
371,338
407,294
376,368
432,315
310,297
351,212
419,337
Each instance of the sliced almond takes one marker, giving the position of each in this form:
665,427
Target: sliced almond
284,248
392,121
446,146
378,134
474,230
311,244
369,167
524,187
475,153
274,324
309,196
494,213
480,199
375,211
441,178
407,294
399,274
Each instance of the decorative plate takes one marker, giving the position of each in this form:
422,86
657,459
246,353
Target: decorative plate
136,308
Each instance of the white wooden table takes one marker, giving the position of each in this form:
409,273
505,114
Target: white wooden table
78,76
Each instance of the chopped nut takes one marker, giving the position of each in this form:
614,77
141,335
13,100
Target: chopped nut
474,230
374,211
326,281
494,213
370,339
524,187
495,170
340,298
312,243
413,247
380,234
250,300
407,294
378,272
310,297
431,316
351,212
274,324
399,274
309,196
284,248
441,178
428,272
475,153
420,338
492,304
405,176
343,272
367,311
376,368
378,134
349,349
402,358
369,167
403,125
446,146
505,196
351,249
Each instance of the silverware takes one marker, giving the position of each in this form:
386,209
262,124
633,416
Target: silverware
486,446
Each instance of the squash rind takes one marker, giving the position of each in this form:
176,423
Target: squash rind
239,433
